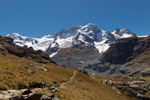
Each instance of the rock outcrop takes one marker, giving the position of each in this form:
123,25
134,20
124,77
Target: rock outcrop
120,51
127,50
30,94
130,56
134,87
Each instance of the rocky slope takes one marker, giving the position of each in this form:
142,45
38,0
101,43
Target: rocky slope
135,87
130,56
127,50
77,56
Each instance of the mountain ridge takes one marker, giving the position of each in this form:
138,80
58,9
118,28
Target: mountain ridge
89,34
36,43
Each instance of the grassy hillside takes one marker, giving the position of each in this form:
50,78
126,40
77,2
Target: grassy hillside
17,73
84,87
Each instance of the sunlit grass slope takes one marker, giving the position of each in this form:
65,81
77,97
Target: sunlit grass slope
18,73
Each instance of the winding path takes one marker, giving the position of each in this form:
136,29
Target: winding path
70,80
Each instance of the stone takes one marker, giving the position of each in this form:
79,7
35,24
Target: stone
44,97
27,92
31,71
53,89
55,84
34,97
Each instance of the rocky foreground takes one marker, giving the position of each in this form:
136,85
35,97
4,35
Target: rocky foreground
32,94
134,87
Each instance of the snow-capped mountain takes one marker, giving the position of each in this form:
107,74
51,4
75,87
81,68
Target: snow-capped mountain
89,34
37,43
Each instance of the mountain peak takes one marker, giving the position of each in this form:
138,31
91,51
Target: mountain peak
89,26
123,33
47,36
125,30
117,30
63,30
13,34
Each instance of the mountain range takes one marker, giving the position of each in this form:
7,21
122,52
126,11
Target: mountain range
36,43
88,34
78,47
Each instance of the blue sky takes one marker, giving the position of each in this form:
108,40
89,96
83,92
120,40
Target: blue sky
36,18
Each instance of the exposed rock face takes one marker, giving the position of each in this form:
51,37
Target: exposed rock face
120,51
129,56
6,44
77,56
129,49
30,94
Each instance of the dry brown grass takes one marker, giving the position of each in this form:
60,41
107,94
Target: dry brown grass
15,77
86,88
83,87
